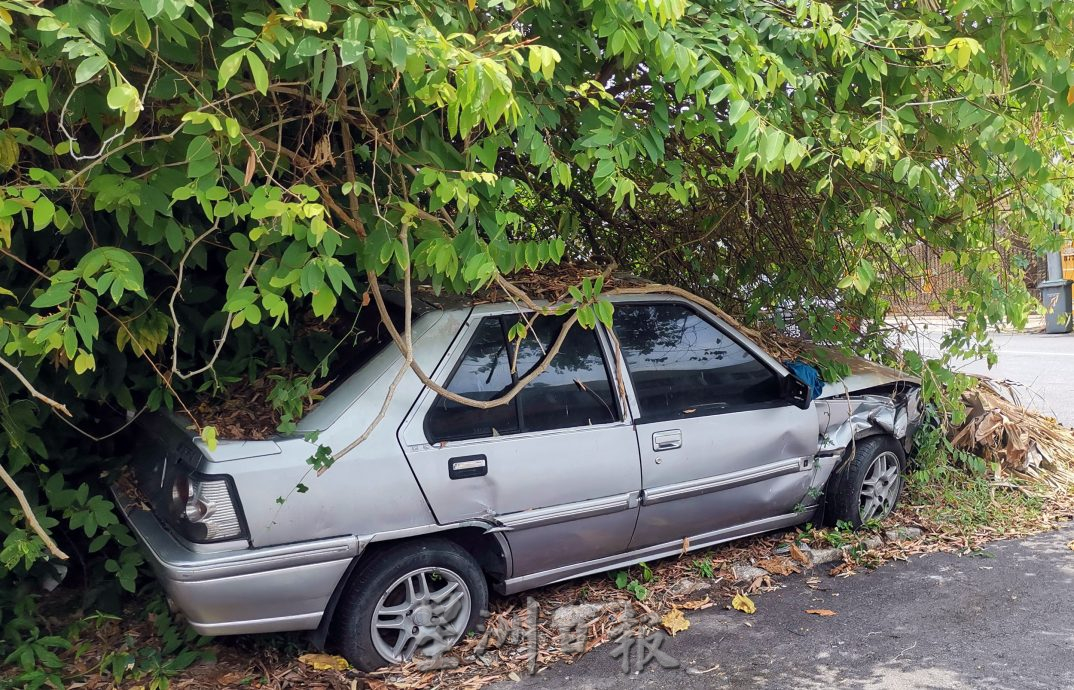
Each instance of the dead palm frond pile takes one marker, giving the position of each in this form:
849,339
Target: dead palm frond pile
1015,439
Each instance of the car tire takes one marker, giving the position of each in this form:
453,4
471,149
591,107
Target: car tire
426,595
869,485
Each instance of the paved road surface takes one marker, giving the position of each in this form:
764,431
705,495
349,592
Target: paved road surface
1044,363
939,621
1002,620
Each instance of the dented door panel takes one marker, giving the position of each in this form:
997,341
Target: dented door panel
731,469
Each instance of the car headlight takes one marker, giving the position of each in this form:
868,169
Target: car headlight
204,508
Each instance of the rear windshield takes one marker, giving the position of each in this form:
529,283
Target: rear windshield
321,358
365,339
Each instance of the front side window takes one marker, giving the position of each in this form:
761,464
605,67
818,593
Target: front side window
680,364
574,391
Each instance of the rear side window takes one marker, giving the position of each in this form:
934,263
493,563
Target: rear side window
483,373
574,391
680,364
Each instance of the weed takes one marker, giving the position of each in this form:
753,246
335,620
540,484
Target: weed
704,568
623,580
956,487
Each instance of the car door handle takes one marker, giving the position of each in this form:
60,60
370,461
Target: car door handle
467,466
667,440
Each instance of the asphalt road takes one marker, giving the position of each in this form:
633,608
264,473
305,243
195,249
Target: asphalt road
1003,619
1042,363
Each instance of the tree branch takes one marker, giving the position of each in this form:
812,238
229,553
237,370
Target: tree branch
30,517
60,407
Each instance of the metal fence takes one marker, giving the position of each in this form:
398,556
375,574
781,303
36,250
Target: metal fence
934,279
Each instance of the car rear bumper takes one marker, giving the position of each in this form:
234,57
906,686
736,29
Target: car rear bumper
244,590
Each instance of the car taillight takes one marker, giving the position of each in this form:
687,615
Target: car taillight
204,508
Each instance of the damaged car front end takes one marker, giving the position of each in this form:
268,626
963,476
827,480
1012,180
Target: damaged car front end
873,405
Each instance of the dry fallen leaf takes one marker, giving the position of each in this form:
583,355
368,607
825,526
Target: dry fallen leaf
674,622
821,612
743,603
845,569
777,565
251,162
324,662
759,583
685,545
1071,546
229,679
799,555
695,605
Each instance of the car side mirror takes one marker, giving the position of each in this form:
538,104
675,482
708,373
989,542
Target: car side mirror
797,392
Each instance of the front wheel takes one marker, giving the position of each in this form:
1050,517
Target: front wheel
869,486
414,599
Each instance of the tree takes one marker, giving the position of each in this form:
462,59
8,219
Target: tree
189,189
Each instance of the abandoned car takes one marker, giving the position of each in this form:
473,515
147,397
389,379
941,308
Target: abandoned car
670,426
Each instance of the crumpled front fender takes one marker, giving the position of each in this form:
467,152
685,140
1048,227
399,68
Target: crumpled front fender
846,419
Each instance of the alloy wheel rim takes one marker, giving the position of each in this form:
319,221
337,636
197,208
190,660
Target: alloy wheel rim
424,611
880,487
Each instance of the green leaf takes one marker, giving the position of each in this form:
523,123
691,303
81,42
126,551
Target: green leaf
719,93
864,276
70,342
44,211
257,69
329,80
208,434
771,146
141,28
324,302
736,111
122,97
963,55
914,176
900,169
84,362
228,67
120,22
151,8
605,311
89,68
53,296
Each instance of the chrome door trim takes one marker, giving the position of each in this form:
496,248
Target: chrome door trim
674,548
541,517
697,487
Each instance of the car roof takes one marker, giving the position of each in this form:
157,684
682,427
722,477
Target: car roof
548,286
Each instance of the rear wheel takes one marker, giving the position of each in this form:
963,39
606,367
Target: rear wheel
869,486
415,599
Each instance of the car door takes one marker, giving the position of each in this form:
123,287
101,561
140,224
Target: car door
558,467
720,446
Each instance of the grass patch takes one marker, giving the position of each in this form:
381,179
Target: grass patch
949,490
954,498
